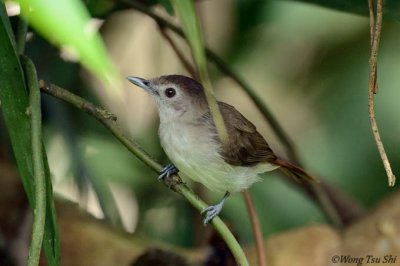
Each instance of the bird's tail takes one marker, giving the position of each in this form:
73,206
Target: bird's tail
294,171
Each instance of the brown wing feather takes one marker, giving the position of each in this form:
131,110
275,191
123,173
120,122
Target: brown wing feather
245,147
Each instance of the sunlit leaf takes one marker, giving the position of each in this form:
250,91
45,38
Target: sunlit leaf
66,23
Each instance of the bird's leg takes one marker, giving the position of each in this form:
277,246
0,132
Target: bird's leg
167,171
214,210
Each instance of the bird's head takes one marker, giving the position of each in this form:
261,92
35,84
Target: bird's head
176,96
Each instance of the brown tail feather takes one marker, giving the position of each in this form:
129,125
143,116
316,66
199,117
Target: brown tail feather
294,171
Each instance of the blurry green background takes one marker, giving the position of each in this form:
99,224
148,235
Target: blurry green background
308,63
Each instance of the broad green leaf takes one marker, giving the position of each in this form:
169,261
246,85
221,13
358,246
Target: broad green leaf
391,8
66,23
14,104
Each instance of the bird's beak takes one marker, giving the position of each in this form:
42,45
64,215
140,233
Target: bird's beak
142,83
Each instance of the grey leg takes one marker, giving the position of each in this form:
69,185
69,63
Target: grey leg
167,171
214,210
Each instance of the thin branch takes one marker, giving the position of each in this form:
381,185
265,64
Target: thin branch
372,33
371,89
39,210
257,233
174,182
371,20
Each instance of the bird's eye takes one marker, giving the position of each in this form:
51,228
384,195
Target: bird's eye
170,92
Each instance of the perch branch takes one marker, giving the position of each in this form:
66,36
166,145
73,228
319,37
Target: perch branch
376,26
174,183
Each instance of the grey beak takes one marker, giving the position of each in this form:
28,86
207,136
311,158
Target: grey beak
142,83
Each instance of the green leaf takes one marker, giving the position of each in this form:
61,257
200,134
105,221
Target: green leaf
391,8
14,104
66,23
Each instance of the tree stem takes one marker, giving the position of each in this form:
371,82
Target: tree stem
39,210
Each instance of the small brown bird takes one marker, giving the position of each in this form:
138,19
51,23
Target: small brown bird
190,139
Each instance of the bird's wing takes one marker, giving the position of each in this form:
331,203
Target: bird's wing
245,146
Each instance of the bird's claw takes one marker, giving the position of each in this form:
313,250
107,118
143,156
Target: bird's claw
167,171
214,210
211,212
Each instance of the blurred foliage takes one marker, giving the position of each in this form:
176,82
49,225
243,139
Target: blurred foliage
391,7
309,64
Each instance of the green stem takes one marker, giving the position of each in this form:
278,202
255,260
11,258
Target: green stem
39,211
174,183
21,35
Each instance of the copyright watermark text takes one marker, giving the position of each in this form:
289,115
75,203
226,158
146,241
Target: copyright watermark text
367,259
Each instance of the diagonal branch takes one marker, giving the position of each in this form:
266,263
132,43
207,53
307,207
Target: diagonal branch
375,38
175,183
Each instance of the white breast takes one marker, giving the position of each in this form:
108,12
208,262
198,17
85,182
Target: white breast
193,151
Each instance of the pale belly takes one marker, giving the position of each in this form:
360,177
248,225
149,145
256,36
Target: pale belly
196,155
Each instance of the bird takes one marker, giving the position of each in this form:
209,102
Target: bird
190,139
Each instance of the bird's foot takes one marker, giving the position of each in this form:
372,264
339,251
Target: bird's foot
213,210
167,171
